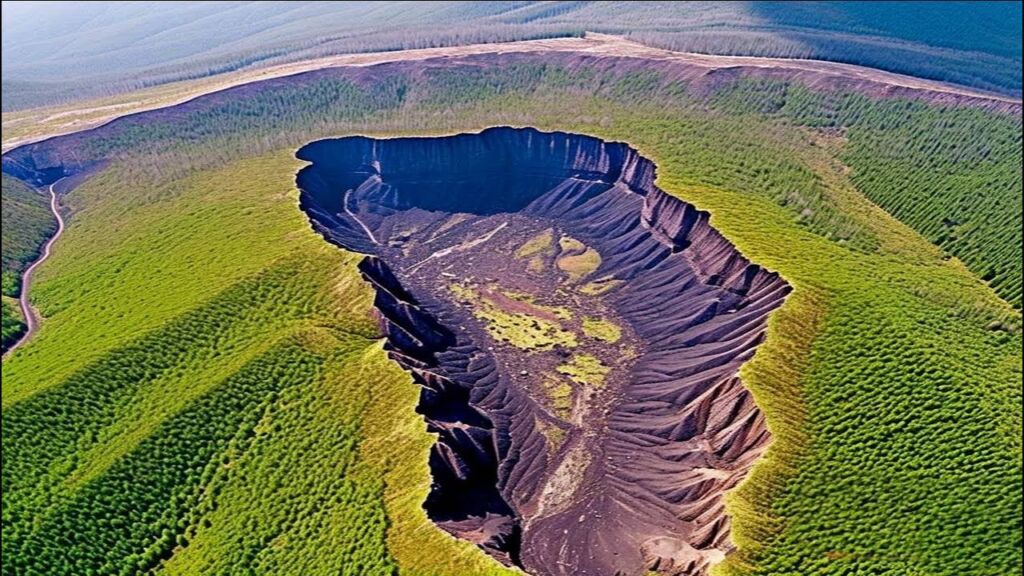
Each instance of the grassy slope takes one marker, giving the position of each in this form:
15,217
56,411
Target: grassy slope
951,174
965,198
884,357
220,289
26,224
13,323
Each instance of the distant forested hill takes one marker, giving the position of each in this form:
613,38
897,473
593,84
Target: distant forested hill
55,51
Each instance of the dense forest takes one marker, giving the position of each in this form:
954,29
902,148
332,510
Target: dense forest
951,174
208,395
126,46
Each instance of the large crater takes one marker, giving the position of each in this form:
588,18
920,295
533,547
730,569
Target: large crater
577,334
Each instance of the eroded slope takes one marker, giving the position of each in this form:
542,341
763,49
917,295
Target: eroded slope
577,333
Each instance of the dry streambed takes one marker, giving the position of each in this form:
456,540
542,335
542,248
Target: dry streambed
577,334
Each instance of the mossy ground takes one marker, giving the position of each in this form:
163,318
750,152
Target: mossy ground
602,329
585,370
541,244
577,259
559,395
521,329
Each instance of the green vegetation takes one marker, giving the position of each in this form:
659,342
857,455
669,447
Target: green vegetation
585,370
602,329
27,223
599,286
559,396
541,244
577,259
189,288
952,174
151,490
13,323
579,266
969,204
554,435
515,327
570,244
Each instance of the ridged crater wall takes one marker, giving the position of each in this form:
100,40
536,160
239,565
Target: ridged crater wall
577,334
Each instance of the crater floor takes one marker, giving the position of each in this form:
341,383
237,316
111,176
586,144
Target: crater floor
577,334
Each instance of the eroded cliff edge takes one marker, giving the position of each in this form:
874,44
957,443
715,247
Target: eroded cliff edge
577,334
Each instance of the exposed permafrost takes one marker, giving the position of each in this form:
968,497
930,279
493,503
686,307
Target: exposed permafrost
577,334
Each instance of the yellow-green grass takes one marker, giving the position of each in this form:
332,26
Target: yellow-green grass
520,329
554,435
602,329
524,331
13,303
576,259
558,395
541,244
536,265
570,244
579,266
585,370
598,287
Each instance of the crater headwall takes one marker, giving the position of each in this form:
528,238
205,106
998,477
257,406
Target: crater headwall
577,335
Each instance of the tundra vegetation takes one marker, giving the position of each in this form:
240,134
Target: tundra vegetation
208,394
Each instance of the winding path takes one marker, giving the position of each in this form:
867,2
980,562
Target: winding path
27,312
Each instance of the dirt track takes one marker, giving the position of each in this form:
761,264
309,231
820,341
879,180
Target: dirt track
27,312
92,114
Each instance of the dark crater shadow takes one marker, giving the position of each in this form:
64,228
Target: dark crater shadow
577,335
